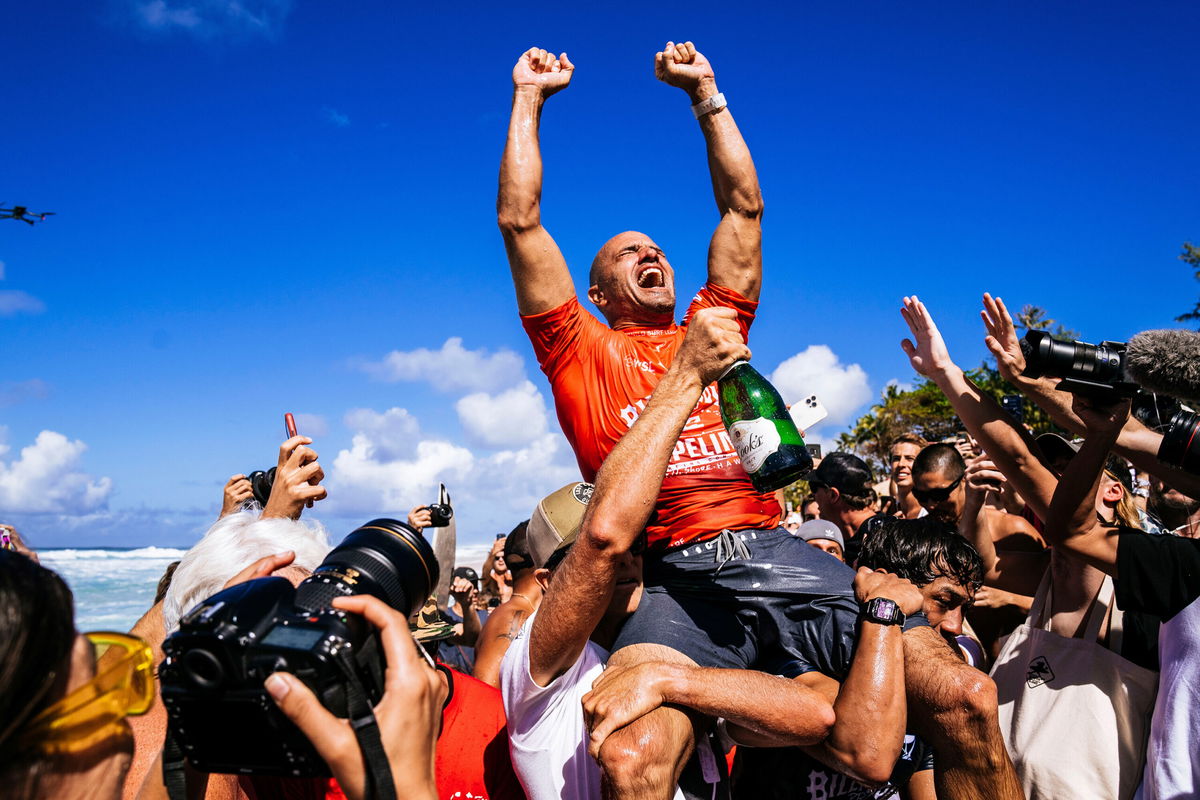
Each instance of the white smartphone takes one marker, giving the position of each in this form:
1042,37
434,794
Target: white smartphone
808,412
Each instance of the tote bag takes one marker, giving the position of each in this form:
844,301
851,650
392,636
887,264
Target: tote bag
1074,714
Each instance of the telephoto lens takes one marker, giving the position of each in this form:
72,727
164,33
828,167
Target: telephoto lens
1181,443
1084,368
384,558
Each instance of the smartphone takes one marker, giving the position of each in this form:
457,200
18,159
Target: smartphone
814,451
289,424
808,412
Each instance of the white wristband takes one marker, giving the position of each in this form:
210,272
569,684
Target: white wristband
714,103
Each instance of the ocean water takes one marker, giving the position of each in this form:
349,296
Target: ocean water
112,587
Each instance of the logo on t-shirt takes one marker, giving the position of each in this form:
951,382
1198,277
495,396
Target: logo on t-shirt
1039,672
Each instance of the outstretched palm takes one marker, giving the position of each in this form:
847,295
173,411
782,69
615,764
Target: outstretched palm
539,68
1002,337
929,355
681,65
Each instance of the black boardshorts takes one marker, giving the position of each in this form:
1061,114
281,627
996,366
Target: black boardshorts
777,604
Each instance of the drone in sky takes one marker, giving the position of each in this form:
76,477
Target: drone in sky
23,214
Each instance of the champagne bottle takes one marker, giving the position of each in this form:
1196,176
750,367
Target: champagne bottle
766,439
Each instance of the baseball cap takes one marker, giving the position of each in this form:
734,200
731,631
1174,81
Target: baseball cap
428,624
1057,447
555,522
821,529
516,548
468,573
845,472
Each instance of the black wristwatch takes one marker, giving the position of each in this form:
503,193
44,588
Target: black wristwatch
882,611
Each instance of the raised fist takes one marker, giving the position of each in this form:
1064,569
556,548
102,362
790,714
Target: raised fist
540,69
712,344
680,65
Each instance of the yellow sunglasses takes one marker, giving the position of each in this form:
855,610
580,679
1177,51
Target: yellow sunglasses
123,686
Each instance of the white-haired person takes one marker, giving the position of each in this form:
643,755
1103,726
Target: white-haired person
234,541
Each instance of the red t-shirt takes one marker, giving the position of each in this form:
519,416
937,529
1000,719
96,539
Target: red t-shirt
472,758
602,379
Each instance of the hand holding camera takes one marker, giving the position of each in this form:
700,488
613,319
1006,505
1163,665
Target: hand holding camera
409,715
297,480
238,492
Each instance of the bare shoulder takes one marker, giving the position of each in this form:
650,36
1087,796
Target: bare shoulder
1014,532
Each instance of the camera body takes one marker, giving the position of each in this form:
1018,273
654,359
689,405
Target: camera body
261,482
440,514
212,678
1096,370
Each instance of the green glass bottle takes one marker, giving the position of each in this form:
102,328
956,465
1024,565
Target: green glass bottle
762,431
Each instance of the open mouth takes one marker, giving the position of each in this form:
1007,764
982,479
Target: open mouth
651,277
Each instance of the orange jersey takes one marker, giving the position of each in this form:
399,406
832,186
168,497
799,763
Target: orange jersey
602,379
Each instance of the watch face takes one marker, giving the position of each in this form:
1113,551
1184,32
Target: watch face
884,608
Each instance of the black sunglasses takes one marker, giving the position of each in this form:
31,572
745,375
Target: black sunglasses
936,495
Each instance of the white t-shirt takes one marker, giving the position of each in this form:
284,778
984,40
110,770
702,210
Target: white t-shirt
546,733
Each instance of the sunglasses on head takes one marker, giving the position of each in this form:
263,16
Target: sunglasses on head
123,686
936,495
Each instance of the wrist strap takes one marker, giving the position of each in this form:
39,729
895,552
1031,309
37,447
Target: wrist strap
714,103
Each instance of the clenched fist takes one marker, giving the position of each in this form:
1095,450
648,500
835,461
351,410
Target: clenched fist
681,66
540,69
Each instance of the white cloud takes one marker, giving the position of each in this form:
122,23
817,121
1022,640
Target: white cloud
389,436
388,469
210,18
13,302
841,388
335,117
311,425
450,369
510,419
46,478
13,392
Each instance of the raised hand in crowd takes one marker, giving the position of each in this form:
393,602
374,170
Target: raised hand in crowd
298,479
10,539
237,493
420,517
408,715
539,70
681,66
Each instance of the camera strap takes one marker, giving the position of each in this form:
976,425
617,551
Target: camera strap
174,768
366,730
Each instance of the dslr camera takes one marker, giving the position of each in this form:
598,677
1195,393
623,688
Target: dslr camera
212,678
440,513
1096,370
261,482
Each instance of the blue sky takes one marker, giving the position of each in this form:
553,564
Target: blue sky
267,206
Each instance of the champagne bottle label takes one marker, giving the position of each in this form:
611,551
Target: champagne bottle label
755,440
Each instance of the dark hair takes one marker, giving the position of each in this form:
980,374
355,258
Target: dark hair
921,550
164,582
37,626
941,458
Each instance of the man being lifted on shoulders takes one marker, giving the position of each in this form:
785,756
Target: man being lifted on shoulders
601,375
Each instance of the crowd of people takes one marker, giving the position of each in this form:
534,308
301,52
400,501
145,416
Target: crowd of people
1000,616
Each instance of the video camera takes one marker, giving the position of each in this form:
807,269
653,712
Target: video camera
212,679
1089,369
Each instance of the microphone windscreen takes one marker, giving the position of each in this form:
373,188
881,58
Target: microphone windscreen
1166,362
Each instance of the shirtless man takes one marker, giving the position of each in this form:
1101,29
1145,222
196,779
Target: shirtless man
710,527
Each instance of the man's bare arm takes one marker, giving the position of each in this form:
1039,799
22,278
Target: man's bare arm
539,271
735,252
498,632
782,712
626,489
1071,523
1135,441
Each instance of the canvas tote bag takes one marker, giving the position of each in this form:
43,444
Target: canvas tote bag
1074,714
